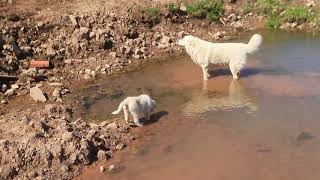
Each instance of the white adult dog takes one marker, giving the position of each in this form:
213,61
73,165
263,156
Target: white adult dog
139,106
233,54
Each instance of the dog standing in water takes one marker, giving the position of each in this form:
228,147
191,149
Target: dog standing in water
204,53
139,106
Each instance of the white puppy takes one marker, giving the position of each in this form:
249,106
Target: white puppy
233,54
139,106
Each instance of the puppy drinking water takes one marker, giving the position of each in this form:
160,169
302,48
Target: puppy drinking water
139,106
233,54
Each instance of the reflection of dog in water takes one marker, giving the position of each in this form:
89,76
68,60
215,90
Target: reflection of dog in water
206,101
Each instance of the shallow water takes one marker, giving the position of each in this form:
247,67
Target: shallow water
264,126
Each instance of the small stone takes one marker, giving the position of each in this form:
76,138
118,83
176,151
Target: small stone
102,155
310,3
67,136
51,52
293,25
92,35
3,101
56,92
37,94
16,49
111,168
105,43
73,20
104,123
120,146
65,168
102,169
112,126
40,24
183,8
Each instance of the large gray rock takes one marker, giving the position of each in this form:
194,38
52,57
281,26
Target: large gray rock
37,94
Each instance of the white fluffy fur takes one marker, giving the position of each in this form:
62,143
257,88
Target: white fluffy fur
233,54
139,106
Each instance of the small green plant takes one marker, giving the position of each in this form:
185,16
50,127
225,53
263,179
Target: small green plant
267,6
297,14
172,7
248,7
210,9
273,21
152,11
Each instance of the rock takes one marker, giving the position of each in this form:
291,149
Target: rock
27,50
56,92
102,155
16,50
237,25
310,3
92,35
74,20
112,126
293,25
67,136
166,40
103,124
40,24
111,168
65,168
50,52
303,136
232,17
120,146
12,90
37,94
105,43
1,43
3,101
113,54
183,8
84,30
102,169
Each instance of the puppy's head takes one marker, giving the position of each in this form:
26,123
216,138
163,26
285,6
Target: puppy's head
185,40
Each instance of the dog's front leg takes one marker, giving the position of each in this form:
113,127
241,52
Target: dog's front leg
136,119
205,72
147,115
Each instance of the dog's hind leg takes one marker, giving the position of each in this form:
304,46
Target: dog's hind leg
126,113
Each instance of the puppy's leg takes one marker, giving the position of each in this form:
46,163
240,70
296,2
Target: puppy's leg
147,116
205,72
126,113
136,119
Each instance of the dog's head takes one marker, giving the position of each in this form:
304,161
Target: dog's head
185,40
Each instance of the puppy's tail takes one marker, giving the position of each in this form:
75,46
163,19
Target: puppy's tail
119,108
254,43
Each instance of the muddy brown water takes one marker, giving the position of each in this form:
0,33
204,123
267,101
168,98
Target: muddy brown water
264,126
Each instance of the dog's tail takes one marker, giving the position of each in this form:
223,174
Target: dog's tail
119,108
254,43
